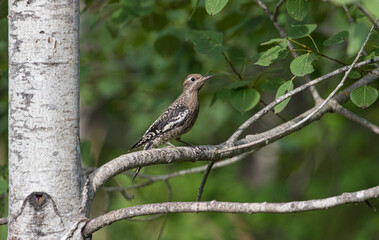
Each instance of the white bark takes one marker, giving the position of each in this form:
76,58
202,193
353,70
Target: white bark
45,175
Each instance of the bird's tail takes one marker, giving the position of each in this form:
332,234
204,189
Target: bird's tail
136,173
147,147
141,142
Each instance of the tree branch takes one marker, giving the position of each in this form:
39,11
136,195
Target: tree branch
207,152
339,85
355,118
280,99
228,207
231,65
351,20
3,221
204,180
276,10
372,20
153,179
282,33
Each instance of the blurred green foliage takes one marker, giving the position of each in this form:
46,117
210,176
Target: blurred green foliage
135,55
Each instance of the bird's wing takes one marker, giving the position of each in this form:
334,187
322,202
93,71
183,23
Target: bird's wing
175,116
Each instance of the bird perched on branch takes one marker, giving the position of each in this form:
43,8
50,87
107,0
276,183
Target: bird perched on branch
178,119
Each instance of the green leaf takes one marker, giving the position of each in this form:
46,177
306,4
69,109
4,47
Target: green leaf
338,38
358,33
302,65
214,6
222,94
364,96
297,9
299,31
3,185
271,84
354,74
281,41
271,55
167,45
206,42
283,89
243,99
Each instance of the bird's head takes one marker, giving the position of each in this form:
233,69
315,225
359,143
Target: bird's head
194,82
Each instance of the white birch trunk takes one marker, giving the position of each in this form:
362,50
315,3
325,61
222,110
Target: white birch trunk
45,177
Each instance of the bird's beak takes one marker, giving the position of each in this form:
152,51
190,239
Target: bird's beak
206,78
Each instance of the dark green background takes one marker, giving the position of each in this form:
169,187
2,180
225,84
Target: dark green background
134,57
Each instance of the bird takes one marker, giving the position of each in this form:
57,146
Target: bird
178,118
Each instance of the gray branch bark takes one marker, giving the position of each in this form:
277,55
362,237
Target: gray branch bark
229,207
221,151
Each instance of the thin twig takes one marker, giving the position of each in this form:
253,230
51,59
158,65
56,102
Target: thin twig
282,33
214,153
355,118
163,226
106,202
3,221
204,180
280,99
374,72
351,20
278,115
339,85
373,21
154,179
370,205
316,52
276,10
166,215
228,207
253,141
232,66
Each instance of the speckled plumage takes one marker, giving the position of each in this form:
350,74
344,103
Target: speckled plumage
179,117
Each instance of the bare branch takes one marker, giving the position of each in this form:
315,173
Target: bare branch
317,52
351,20
231,65
276,10
373,21
355,118
228,207
280,99
153,179
344,94
3,221
204,180
207,152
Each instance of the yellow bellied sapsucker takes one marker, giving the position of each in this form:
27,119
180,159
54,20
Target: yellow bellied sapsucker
178,119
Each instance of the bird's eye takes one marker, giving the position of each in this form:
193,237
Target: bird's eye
192,79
